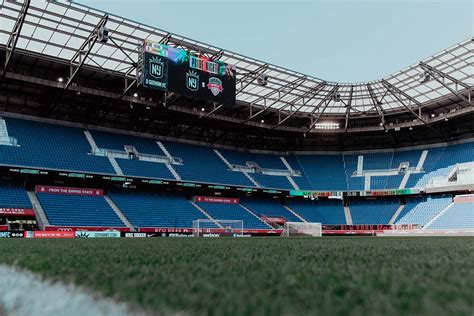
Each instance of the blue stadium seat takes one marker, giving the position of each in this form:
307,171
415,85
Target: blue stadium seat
13,196
234,212
273,182
457,216
157,210
44,145
324,172
270,208
378,211
323,211
201,163
421,210
146,169
115,141
74,210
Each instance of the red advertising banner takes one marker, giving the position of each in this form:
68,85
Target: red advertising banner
69,191
85,228
49,234
17,211
3,228
216,199
274,220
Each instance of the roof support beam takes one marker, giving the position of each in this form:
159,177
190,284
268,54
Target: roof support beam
15,35
396,92
81,55
129,81
294,84
377,105
348,110
326,100
433,71
309,96
375,101
254,73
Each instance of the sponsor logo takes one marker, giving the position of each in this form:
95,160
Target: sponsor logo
93,234
17,211
178,235
49,234
156,67
68,190
82,235
136,235
11,234
215,85
210,235
192,80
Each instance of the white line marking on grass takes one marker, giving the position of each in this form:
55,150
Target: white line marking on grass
23,293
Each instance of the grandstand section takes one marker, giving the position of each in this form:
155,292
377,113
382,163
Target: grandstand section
456,216
421,210
292,147
157,210
13,196
234,212
82,211
319,211
266,208
373,211
54,146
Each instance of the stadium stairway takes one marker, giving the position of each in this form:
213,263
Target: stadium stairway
78,210
116,166
168,165
396,214
421,211
41,218
459,215
255,215
227,163
203,211
269,208
234,212
373,211
319,211
437,216
290,169
119,212
348,215
5,139
296,214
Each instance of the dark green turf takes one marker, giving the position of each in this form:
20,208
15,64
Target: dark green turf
264,276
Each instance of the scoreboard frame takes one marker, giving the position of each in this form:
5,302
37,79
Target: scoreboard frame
167,68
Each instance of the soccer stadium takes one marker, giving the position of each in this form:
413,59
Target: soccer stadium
300,196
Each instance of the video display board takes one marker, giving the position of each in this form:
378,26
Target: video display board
172,69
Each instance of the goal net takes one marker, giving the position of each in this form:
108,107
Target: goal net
302,229
217,228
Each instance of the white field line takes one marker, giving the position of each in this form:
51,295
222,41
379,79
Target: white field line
23,293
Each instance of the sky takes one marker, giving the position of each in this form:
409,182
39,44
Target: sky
342,41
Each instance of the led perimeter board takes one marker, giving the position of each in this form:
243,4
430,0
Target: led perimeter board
172,69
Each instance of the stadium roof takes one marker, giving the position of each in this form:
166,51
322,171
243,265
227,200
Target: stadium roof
65,31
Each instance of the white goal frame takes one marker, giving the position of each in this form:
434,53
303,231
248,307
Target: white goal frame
218,227
302,229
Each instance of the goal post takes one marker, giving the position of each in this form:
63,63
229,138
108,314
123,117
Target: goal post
218,227
302,229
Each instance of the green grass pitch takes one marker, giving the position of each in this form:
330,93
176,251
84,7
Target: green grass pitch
263,276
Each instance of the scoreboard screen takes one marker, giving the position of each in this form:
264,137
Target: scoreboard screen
172,69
